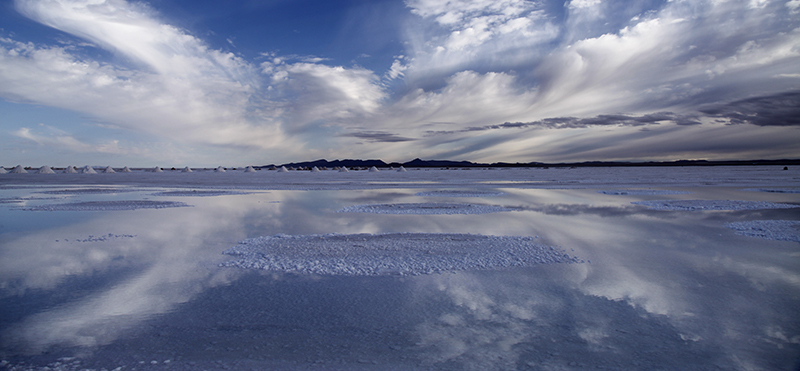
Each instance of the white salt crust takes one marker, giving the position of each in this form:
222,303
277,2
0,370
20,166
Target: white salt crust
425,208
779,230
461,193
107,205
774,190
391,253
700,205
200,193
642,192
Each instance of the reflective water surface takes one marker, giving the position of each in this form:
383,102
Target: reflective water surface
142,289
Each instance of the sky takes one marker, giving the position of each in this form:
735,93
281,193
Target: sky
234,83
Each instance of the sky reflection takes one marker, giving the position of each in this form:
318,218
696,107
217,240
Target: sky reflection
663,289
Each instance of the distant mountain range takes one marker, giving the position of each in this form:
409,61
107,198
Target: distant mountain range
419,163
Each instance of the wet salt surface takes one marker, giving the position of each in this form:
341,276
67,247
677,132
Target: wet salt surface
779,230
426,208
700,205
79,191
390,254
107,205
664,290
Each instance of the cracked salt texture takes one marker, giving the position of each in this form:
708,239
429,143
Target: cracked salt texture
195,193
88,191
642,192
426,208
107,206
463,193
391,253
700,205
774,190
779,230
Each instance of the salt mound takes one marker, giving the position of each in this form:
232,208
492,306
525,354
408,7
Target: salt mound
186,170
3,170
401,169
779,230
283,169
315,169
464,193
126,170
219,169
46,170
109,170
19,170
701,205
425,208
343,169
249,169
88,170
391,253
108,205
642,192
157,170
70,170
373,169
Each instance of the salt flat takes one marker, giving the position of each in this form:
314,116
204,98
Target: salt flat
573,269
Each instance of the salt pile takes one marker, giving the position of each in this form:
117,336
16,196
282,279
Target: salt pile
46,170
126,170
19,170
464,193
425,208
109,170
219,169
107,205
698,205
70,170
157,170
779,230
391,253
401,169
283,169
249,169
373,169
186,170
642,192
343,169
88,170
315,169
3,170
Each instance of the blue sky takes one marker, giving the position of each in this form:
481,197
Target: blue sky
205,83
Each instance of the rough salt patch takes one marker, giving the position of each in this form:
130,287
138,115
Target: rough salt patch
460,193
642,192
196,193
779,230
426,208
391,253
84,191
701,205
774,190
108,205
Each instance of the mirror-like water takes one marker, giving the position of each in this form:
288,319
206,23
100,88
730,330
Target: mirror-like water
143,289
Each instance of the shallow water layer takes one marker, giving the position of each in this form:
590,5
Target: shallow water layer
142,288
